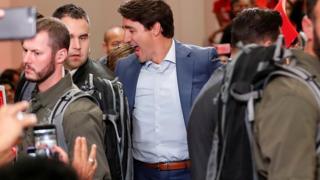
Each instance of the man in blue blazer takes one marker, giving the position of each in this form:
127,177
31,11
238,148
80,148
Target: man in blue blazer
161,80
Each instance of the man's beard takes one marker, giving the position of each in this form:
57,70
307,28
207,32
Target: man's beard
316,43
44,74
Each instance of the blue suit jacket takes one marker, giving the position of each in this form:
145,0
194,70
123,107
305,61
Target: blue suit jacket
194,67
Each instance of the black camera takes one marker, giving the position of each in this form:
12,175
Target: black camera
45,137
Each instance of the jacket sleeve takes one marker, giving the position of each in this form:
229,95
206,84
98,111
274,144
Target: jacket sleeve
214,61
285,131
84,118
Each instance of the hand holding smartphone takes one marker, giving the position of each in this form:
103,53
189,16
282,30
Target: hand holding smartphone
45,138
17,23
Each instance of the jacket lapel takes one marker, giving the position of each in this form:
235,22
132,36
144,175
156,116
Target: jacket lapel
184,76
133,74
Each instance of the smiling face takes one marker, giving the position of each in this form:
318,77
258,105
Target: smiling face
140,38
79,42
38,59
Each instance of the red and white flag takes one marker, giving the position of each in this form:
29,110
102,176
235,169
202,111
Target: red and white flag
3,100
288,30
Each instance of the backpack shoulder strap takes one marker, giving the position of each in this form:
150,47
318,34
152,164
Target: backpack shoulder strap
112,109
309,81
302,75
26,90
57,113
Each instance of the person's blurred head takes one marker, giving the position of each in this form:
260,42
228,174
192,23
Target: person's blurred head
113,37
253,25
115,54
77,22
11,75
9,89
238,5
38,169
44,54
147,23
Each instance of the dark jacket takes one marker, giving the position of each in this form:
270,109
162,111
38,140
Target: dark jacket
90,67
201,125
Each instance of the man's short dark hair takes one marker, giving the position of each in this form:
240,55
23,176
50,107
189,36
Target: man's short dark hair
148,12
9,74
72,11
6,81
254,25
58,33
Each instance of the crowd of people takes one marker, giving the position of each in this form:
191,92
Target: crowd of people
170,88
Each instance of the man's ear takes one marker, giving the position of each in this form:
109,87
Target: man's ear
156,29
61,56
307,27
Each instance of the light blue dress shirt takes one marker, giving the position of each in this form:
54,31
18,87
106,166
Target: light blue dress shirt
159,132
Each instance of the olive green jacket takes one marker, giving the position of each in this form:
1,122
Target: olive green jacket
285,127
82,118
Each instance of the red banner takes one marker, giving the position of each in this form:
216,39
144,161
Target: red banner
288,30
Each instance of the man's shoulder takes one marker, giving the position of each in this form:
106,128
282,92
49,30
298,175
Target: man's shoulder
103,60
76,100
127,60
195,51
96,69
78,106
285,89
83,105
192,47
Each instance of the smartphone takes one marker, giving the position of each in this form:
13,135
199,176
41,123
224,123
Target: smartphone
45,137
18,23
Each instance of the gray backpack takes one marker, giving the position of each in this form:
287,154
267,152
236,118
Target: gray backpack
231,155
56,116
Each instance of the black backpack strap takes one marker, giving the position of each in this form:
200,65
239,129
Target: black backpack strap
56,116
250,98
112,115
303,76
118,115
26,91
122,112
111,100
221,130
